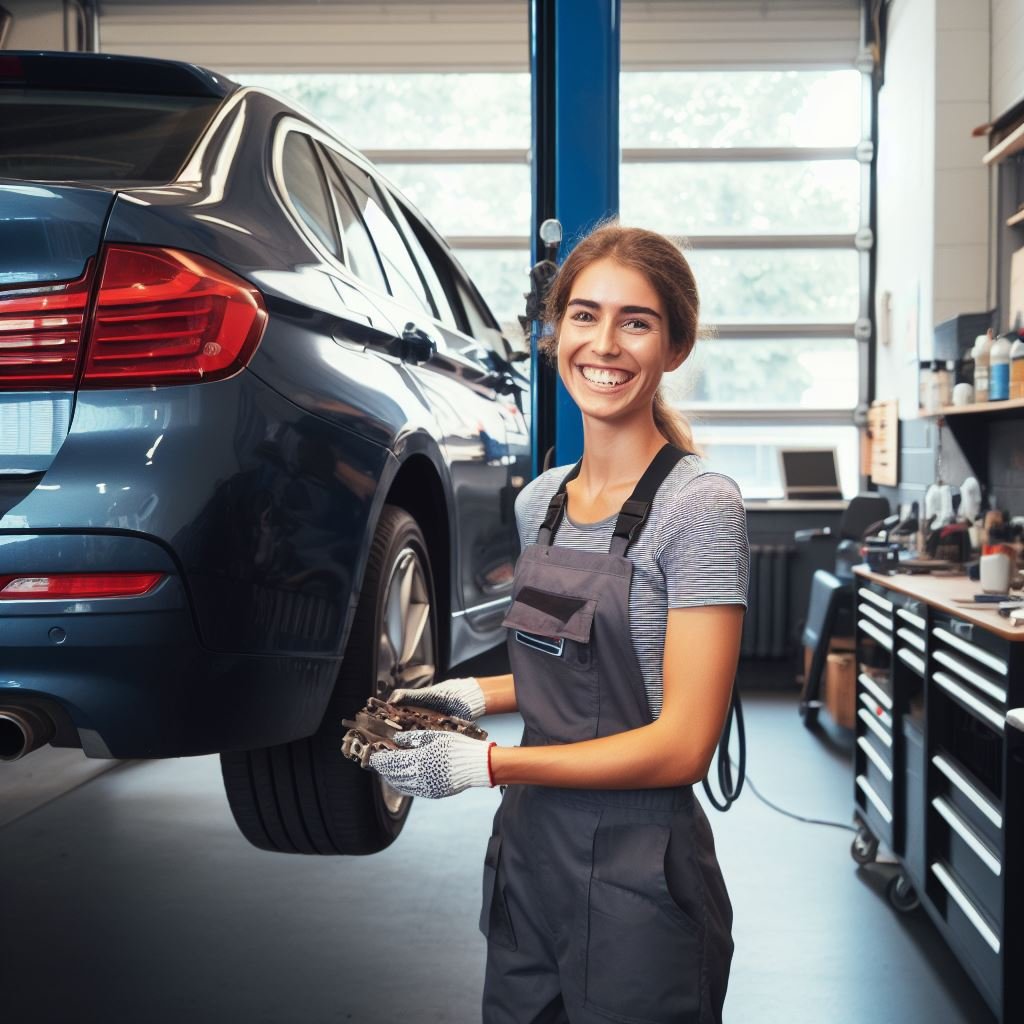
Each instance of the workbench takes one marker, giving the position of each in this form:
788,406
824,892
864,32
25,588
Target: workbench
939,765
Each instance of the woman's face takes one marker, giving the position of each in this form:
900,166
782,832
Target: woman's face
613,344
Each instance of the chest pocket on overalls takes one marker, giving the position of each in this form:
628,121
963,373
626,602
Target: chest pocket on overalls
555,624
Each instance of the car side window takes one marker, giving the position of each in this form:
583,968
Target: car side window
402,275
438,291
481,323
360,256
307,191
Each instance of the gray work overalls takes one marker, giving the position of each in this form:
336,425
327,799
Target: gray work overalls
607,904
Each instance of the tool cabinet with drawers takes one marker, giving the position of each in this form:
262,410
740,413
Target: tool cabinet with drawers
939,766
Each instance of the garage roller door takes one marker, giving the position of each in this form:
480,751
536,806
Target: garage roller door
474,36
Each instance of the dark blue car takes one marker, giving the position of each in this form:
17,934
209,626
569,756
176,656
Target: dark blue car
260,440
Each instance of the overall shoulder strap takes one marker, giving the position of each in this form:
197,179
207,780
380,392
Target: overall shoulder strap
556,507
636,508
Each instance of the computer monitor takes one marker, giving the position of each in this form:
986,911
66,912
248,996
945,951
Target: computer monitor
810,473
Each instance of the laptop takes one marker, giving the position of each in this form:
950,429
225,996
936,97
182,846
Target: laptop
810,473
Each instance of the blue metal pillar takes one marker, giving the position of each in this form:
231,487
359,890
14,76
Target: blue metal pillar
574,61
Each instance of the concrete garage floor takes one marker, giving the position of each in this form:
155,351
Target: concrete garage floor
133,899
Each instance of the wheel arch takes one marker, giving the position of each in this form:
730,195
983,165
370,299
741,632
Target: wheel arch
416,479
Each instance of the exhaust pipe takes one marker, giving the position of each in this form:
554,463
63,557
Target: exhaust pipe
22,730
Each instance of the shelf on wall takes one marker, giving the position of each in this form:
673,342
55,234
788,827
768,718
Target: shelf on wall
1004,405
1013,143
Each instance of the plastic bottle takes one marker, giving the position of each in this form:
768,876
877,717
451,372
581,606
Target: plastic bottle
982,347
924,379
1017,368
965,374
929,391
941,385
999,370
946,382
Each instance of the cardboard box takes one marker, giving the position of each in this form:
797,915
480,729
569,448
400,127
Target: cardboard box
835,643
841,688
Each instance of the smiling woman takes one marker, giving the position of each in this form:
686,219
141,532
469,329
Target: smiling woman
622,668
625,299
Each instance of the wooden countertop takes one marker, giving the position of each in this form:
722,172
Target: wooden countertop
941,592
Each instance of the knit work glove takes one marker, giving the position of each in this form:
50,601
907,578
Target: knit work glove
434,764
461,697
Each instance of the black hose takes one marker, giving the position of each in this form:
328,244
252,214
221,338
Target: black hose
730,790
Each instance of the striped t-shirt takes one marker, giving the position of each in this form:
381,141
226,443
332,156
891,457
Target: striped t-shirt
693,550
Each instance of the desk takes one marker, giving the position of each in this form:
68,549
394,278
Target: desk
939,765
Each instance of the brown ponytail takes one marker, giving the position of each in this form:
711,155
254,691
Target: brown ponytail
665,267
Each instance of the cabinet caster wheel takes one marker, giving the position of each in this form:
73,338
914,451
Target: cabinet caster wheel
809,713
864,847
902,894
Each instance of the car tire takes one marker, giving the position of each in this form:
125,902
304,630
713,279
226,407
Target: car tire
304,796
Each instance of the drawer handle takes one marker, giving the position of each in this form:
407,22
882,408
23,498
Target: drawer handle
869,720
870,595
876,757
914,620
968,674
963,902
879,803
876,616
980,708
994,663
875,633
968,789
911,638
875,690
911,659
872,706
985,853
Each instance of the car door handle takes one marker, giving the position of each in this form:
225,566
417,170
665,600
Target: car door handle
417,346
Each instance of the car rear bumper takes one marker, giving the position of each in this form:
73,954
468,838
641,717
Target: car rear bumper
128,677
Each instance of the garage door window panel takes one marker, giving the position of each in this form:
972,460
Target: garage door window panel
771,374
468,199
359,251
754,197
415,109
777,286
307,190
711,109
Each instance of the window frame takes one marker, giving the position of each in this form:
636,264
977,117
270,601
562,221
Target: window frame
308,231
323,156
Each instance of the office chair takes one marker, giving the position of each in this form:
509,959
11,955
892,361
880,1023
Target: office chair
830,604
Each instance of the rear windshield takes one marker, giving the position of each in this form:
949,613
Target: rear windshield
111,138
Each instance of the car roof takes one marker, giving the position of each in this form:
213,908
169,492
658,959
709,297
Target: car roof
110,72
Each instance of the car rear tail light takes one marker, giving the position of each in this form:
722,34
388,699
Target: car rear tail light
41,334
164,317
160,316
83,585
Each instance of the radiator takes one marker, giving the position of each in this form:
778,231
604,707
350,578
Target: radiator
767,619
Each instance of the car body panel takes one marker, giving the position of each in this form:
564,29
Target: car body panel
260,492
266,527
49,231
